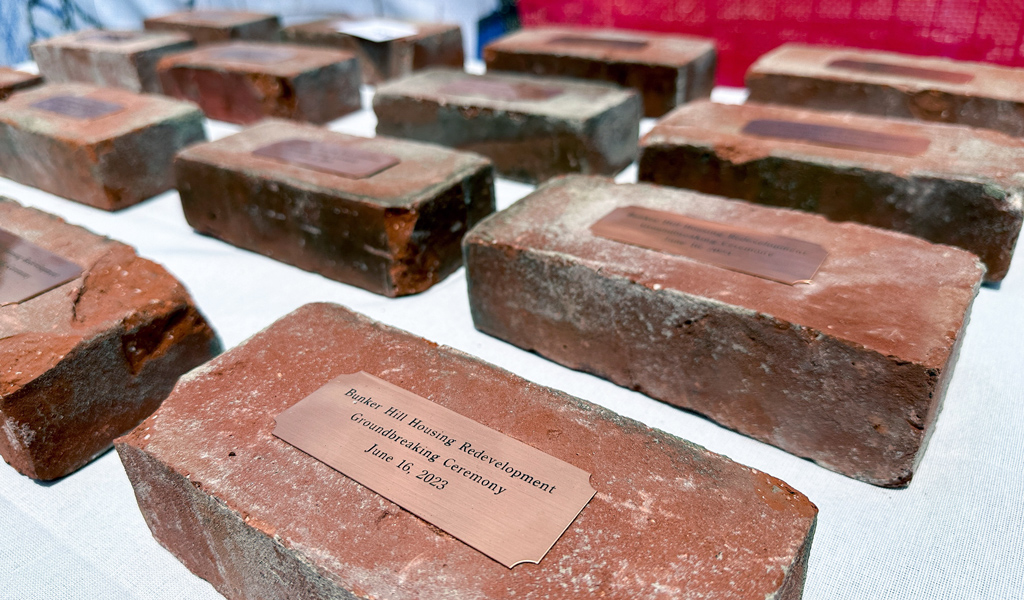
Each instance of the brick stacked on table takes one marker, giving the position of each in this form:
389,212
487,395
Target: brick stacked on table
848,370
532,128
384,52
949,184
891,84
210,26
259,518
105,147
667,70
123,59
382,214
243,82
85,362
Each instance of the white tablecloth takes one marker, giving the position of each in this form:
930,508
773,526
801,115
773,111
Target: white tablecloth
956,532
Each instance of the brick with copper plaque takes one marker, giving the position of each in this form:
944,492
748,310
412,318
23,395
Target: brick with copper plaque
244,82
892,85
123,59
331,456
211,26
387,49
532,128
12,81
92,338
667,69
825,339
105,147
383,214
949,184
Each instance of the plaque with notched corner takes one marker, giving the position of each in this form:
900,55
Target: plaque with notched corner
505,498
338,159
26,270
501,90
881,68
838,137
775,257
78,107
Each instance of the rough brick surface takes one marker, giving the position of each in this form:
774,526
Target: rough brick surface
966,189
12,81
243,82
667,70
532,128
122,59
260,519
109,161
396,232
85,362
434,44
210,26
939,89
849,370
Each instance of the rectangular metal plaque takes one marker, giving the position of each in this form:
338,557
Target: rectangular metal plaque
866,66
262,56
341,160
113,37
501,90
779,258
508,500
599,42
838,137
78,107
376,30
26,270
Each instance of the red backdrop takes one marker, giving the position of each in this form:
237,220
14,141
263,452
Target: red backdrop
982,30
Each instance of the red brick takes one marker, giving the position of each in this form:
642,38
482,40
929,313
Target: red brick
961,190
849,370
667,69
395,232
12,81
85,362
801,75
531,127
434,44
209,26
109,161
243,82
260,519
122,59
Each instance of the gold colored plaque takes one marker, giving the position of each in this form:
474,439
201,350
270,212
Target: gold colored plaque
508,500
779,258
26,270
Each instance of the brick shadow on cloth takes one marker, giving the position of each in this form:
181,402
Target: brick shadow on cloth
87,361
259,518
849,370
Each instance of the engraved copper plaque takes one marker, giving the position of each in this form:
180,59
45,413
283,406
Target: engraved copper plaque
338,159
113,37
599,42
866,66
838,137
262,56
376,30
508,500
775,257
26,270
501,90
78,107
